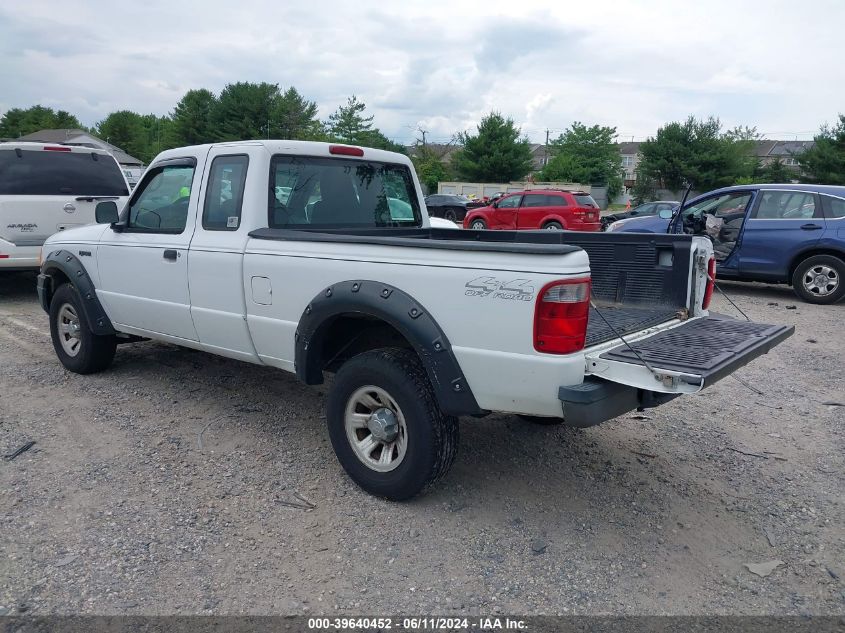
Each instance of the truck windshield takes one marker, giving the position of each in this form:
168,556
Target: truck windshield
308,191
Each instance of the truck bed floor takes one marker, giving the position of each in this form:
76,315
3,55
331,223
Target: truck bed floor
624,320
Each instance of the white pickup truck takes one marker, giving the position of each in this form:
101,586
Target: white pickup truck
318,258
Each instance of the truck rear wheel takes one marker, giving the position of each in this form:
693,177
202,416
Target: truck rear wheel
78,348
386,428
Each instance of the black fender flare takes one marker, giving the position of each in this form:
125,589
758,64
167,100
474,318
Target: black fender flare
407,316
71,267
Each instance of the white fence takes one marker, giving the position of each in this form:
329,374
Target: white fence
486,189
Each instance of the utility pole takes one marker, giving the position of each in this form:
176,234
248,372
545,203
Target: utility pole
546,150
423,132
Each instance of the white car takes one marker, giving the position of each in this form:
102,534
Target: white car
45,188
419,325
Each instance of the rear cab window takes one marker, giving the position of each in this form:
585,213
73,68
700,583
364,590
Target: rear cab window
59,172
309,192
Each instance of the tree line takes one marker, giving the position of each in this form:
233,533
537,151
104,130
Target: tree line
241,111
697,152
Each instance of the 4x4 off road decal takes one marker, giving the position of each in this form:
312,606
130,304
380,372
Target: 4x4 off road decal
514,290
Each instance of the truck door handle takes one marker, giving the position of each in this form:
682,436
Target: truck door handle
810,227
171,254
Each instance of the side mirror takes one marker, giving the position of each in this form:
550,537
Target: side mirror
665,214
106,212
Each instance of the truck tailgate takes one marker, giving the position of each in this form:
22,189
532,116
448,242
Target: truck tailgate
688,357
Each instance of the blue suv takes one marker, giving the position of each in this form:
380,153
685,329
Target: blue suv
792,234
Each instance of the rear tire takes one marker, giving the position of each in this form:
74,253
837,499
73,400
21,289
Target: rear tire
390,384
820,279
78,348
553,226
478,224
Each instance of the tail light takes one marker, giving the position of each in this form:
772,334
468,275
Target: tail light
56,149
345,150
711,283
560,316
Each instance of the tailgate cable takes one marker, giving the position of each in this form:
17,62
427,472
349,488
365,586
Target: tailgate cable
621,338
722,292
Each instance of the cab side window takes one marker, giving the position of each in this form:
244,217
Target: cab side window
160,204
224,195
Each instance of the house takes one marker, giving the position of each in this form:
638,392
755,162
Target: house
766,151
630,153
133,167
787,151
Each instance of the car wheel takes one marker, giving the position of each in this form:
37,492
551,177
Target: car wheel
78,348
819,279
478,224
553,226
450,214
386,427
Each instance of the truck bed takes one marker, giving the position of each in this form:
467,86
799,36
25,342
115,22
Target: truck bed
638,280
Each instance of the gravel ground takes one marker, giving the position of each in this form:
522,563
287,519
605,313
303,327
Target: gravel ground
159,487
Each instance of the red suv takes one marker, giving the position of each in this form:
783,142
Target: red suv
550,209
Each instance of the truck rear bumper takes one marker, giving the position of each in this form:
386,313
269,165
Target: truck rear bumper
597,400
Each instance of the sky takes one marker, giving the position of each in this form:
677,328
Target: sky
440,66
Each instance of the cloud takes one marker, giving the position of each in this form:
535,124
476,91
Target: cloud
438,65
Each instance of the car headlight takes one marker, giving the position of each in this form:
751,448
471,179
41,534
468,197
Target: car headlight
614,226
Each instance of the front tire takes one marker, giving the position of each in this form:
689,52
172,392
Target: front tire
478,224
386,427
78,348
450,214
820,279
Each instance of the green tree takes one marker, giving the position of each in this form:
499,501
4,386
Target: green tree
126,130
21,121
587,155
430,168
496,153
294,117
348,124
192,119
244,111
776,171
825,161
698,152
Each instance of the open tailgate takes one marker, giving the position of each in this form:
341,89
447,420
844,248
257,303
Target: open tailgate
688,357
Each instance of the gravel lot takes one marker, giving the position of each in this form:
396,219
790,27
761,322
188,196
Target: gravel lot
159,487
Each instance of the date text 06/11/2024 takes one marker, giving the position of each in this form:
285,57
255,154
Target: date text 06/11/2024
417,624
